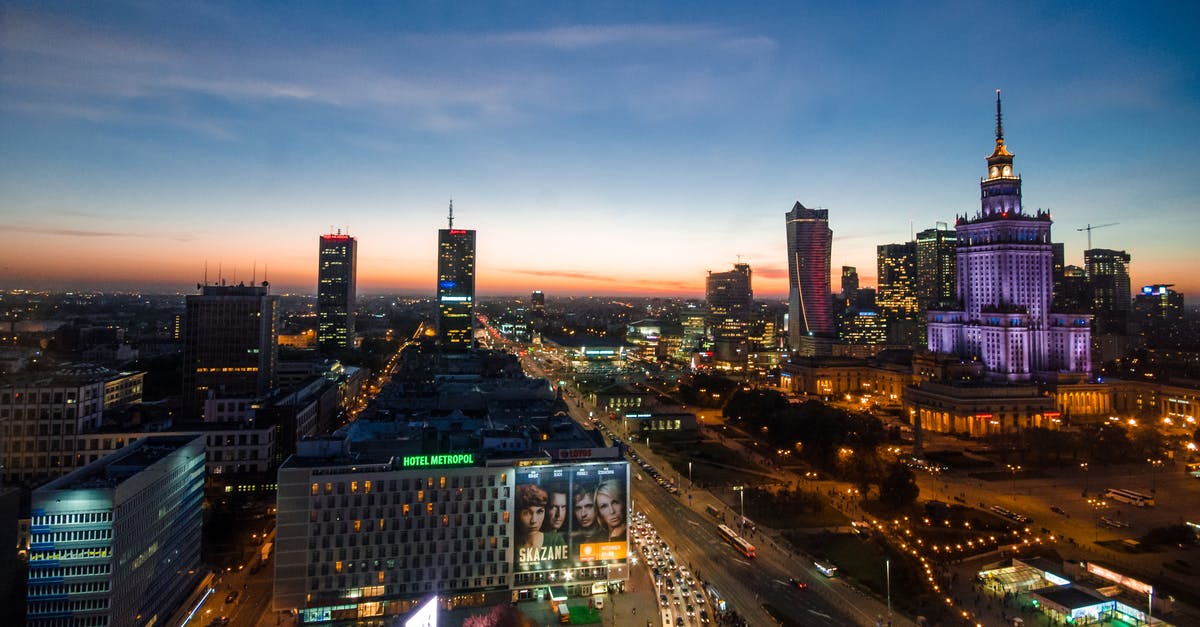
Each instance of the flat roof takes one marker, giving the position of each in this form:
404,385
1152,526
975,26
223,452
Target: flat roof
109,471
1070,597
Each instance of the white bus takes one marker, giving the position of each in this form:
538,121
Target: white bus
829,570
1137,499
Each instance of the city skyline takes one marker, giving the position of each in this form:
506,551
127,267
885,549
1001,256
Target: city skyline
596,151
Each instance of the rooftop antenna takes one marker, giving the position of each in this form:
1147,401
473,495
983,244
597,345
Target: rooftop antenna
220,277
265,275
451,212
254,273
206,272
999,119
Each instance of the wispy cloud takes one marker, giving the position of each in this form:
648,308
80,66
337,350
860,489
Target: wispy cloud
76,232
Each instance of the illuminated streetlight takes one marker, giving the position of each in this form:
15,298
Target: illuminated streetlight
741,490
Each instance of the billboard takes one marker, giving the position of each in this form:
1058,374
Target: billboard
570,515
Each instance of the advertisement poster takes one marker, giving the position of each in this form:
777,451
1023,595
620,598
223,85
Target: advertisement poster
571,515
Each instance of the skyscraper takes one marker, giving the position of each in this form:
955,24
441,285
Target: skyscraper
231,343
117,542
730,306
337,256
850,285
456,287
1108,282
1005,284
810,307
538,301
896,295
936,267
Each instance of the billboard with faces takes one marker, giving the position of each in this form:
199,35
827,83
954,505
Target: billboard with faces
570,515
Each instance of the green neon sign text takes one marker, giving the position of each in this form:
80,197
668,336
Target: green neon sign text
453,459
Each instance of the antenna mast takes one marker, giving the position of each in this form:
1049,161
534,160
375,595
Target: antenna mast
452,213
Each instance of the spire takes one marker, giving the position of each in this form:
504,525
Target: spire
999,120
1000,155
451,213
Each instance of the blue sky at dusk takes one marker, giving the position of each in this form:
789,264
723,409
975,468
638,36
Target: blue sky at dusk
598,148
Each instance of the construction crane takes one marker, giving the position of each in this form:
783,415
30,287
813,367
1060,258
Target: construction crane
1089,229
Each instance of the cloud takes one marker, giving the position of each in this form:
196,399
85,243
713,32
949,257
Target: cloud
770,272
66,232
563,274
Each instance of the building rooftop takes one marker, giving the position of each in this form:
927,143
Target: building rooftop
1070,597
111,470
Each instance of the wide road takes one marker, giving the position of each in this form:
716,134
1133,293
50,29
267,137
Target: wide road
746,585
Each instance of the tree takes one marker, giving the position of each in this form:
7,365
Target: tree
899,488
500,616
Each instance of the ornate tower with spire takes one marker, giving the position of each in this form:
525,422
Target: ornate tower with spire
1005,269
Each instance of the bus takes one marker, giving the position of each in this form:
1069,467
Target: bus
738,542
1011,515
1137,499
1193,469
825,568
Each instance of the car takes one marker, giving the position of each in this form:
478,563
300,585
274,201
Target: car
662,600
796,583
1058,510
700,598
691,611
704,617
678,621
231,597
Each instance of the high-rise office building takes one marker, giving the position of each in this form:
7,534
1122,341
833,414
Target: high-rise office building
1108,282
1158,307
456,287
336,284
850,285
896,295
730,309
117,542
231,343
1071,294
1005,284
538,300
810,306
936,279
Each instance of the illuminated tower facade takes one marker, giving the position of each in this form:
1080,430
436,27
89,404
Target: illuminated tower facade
456,287
1108,280
809,246
1005,286
337,256
730,309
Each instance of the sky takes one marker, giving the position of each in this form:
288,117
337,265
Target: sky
598,148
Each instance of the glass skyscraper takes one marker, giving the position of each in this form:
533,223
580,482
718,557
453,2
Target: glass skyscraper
809,245
337,256
456,287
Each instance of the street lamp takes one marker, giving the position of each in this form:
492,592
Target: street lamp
1013,470
741,490
1084,467
1155,464
690,483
